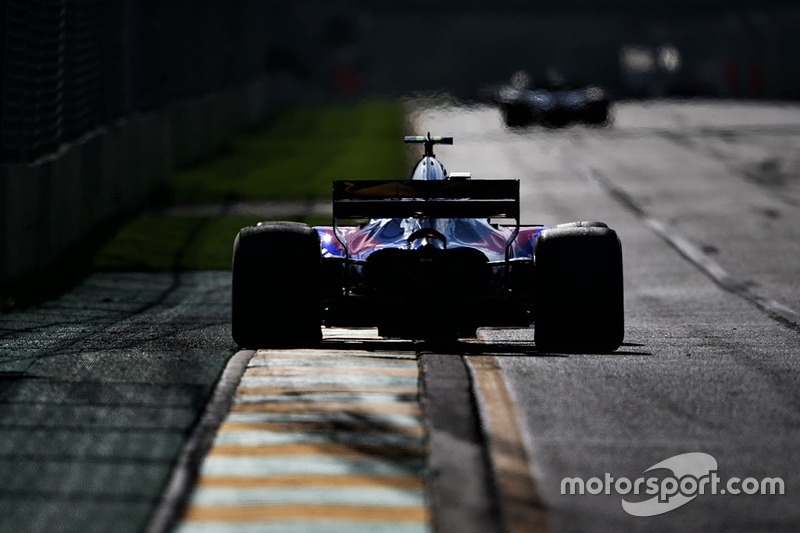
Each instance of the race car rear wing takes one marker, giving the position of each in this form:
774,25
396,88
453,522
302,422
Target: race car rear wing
426,199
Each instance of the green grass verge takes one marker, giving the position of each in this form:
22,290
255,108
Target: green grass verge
296,155
299,152
153,243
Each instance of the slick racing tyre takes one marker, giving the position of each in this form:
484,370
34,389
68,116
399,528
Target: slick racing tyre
578,293
275,297
583,224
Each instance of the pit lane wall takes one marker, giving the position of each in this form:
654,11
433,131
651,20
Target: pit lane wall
51,204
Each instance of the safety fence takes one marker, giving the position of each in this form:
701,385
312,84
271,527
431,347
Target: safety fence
68,67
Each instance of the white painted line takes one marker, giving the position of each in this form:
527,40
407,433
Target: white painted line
388,496
306,526
265,438
351,332
777,310
221,465
378,397
256,381
366,418
389,355
330,361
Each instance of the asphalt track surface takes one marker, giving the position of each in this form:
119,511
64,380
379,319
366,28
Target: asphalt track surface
705,200
101,388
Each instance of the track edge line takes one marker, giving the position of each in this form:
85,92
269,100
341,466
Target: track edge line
774,309
185,471
520,494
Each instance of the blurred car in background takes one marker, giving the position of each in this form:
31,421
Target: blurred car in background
553,102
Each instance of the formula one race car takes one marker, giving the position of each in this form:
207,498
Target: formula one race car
552,103
429,264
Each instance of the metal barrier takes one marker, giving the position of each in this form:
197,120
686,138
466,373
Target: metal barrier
68,67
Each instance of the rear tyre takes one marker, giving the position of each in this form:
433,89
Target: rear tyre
578,289
583,224
276,295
